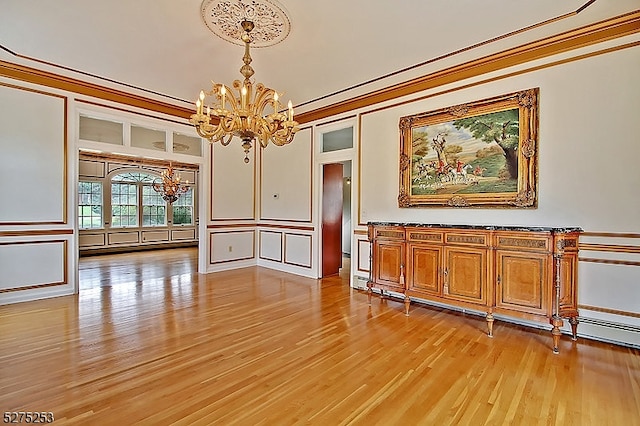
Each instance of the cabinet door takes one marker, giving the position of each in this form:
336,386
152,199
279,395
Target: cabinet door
522,281
388,267
423,270
465,274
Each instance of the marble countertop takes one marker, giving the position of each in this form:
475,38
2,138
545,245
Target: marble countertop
557,229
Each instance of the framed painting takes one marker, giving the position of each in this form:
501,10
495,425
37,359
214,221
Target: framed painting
479,154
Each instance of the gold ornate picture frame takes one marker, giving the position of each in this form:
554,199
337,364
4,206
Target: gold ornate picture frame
479,154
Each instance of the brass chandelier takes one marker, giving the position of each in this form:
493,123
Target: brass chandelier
170,185
244,115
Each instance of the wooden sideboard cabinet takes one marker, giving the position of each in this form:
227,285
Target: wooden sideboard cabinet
527,273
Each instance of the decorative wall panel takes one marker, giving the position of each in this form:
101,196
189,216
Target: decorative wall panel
271,246
230,246
297,250
286,180
32,264
36,166
233,195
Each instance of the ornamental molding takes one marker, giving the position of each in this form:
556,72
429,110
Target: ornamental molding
525,199
458,201
527,98
403,199
404,161
528,148
223,18
459,110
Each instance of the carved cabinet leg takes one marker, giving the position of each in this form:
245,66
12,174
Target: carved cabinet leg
369,291
407,302
574,328
556,333
490,324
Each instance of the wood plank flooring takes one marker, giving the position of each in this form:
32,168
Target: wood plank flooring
150,341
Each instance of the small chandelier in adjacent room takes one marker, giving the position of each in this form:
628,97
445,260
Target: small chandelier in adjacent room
243,114
169,185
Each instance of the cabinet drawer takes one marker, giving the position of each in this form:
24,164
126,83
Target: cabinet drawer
472,239
419,235
389,233
523,242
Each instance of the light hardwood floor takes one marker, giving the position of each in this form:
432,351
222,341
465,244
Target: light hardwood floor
149,341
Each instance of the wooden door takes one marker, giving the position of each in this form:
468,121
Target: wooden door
465,274
521,281
331,219
423,269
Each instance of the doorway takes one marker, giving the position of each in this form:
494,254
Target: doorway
336,218
127,231
336,153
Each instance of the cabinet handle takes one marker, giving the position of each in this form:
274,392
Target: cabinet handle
498,280
446,280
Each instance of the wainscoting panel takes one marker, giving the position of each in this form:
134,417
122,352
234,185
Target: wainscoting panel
155,236
183,234
231,246
32,264
271,246
363,250
92,240
297,250
123,237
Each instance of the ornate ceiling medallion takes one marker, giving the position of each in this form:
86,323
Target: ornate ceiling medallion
223,18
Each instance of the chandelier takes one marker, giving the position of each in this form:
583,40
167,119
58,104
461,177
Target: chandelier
169,185
244,115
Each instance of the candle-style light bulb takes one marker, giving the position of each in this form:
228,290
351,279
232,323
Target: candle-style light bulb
290,111
223,92
275,102
201,100
243,93
199,106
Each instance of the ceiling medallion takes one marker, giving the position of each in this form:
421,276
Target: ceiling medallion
223,18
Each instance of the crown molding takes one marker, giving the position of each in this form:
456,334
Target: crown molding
57,81
585,36
599,32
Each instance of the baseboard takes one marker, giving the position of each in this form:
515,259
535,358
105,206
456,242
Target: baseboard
608,325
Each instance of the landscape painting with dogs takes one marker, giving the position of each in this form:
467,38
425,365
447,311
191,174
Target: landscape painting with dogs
479,154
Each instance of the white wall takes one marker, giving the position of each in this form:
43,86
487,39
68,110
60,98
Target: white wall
285,212
588,172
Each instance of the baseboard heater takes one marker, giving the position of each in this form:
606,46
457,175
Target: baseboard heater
610,324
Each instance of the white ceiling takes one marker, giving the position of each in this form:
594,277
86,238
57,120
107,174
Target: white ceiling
164,47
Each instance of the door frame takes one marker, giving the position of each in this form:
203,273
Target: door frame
322,158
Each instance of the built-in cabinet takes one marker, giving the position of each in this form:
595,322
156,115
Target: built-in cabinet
527,273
